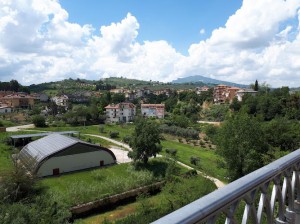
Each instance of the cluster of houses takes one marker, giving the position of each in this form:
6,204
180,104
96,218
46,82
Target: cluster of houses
140,92
10,100
223,93
122,112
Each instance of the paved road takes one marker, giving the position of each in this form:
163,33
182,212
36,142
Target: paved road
19,128
120,154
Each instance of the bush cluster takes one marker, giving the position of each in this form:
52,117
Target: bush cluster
114,134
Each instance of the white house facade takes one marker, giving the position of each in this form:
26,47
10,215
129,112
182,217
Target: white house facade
61,100
5,109
121,112
153,110
241,93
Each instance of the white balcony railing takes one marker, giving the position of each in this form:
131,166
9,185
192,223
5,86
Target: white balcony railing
270,194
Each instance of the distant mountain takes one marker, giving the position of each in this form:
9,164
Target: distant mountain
200,78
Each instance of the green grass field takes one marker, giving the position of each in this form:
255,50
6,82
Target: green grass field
124,130
208,158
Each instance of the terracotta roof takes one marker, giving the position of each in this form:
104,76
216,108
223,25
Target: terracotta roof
118,106
112,106
152,105
234,88
17,96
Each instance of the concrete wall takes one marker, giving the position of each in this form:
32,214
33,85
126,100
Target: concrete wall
74,162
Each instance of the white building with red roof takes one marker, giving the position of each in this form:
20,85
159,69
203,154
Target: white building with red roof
121,112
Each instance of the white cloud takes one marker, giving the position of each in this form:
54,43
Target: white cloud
39,44
252,45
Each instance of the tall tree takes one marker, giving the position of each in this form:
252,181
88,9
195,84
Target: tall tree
256,85
145,141
242,144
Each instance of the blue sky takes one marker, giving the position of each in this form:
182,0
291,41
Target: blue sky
177,21
241,41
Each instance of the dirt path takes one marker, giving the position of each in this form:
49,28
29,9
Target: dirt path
19,128
120,153
126,146
217,182
209,122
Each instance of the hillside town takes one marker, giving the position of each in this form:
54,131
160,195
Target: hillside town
129,99
129,137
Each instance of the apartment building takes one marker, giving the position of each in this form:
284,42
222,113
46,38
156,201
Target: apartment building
153,110
220,93
121,112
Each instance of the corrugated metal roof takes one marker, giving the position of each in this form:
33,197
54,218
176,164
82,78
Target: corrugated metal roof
33,153
43,134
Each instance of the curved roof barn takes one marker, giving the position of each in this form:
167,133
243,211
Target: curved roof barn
55,154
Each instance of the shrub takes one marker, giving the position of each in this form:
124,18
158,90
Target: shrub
58,123
101,128
211,131
190,173
114,134
171,152
194,160
221,164
16,184
39,121
126,139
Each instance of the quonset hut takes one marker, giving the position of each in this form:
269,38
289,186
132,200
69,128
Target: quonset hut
56,154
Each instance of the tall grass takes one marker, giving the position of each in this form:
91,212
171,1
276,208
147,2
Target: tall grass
95,184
